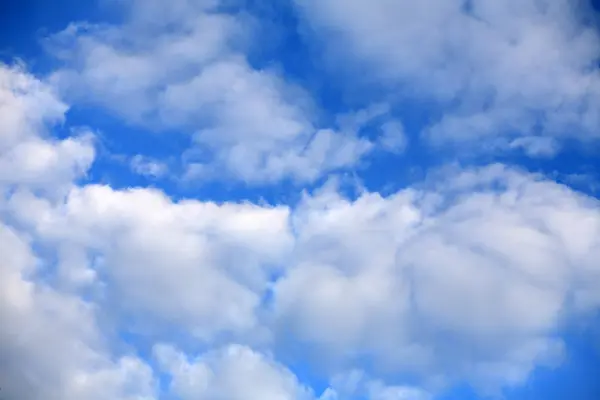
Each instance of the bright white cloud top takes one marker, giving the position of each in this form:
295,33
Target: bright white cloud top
470,275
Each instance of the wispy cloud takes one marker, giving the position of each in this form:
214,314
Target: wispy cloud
193,76
496,69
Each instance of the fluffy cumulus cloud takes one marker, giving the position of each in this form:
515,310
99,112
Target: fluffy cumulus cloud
28,155
515,71
50,345
469,276
229,373
193,77
213,260
468,279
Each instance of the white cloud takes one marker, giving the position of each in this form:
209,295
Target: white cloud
393,137
468,279
356,384
465,277
234,373
210,262
536,146
147,166
237,372
497,69
51,344
186,71
213,260
378,391
50,347
27,155
27,104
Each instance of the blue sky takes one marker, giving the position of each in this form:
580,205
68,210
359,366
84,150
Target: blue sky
312,200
